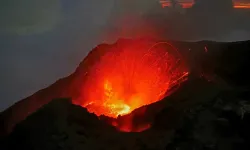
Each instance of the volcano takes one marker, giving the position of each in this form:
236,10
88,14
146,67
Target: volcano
130,76
140,94
113,80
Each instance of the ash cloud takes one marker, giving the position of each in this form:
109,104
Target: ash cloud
207,19
44,40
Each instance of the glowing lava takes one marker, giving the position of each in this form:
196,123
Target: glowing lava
184,4
129,76
241,5
237,4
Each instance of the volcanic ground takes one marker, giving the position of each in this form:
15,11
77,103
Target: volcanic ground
141,94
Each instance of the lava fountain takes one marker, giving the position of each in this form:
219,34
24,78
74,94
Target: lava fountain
128,76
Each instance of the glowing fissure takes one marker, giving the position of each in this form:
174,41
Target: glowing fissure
129,76
189,4
242,5
165,3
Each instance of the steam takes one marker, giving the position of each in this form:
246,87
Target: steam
207,19
45,40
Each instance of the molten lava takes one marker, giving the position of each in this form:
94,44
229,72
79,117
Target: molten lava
129,76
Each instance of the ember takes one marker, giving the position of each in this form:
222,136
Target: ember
128,77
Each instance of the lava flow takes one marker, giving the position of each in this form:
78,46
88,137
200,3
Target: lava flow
129,76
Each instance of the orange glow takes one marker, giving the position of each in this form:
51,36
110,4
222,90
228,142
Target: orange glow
165,3
237,4
116,106
127,123
128,127
129,76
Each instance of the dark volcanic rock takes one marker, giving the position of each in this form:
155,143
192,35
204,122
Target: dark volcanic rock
209,111
200,115
58,125
220,124
62,125
221,60
66,87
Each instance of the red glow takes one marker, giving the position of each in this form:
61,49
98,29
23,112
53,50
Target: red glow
132,26
128,123
236,4
206,50
187,5
165,3
130,76
128,127
239,5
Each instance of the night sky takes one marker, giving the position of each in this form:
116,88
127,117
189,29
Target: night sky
44,40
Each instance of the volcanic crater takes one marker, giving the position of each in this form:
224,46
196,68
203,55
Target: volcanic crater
173,95
129,76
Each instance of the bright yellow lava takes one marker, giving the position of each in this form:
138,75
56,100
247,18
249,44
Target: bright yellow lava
116,106
131,76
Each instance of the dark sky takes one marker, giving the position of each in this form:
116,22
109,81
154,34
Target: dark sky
44,40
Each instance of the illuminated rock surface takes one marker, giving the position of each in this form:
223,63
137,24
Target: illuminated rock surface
208,111
129,76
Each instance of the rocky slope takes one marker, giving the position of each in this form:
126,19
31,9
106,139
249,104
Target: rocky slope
218,75
213,118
